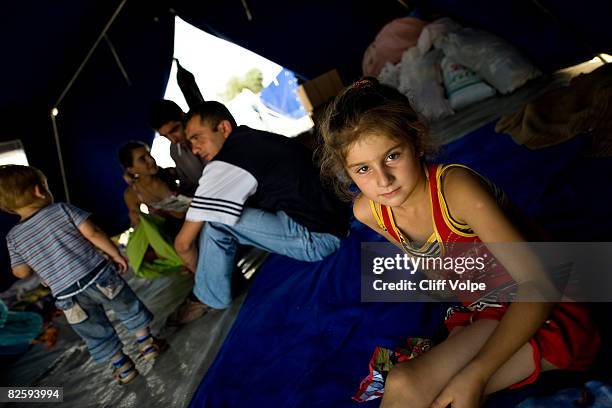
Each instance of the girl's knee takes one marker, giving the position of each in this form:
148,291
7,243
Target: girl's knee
402,383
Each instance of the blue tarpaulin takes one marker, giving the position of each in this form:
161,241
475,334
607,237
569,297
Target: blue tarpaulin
281,95
303,338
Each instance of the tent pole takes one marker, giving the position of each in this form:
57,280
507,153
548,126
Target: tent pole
117,60
54,113
249,16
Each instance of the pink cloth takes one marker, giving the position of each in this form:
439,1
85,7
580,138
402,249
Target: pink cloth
390,43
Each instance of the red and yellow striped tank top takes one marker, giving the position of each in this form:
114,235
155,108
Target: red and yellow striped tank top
450,237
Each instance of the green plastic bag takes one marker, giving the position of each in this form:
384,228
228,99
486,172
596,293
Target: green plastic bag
150,232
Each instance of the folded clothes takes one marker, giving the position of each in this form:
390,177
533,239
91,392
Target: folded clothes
585,106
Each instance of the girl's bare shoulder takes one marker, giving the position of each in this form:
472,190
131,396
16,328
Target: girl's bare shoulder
460,183
362,211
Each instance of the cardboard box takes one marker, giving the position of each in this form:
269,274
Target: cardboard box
316,92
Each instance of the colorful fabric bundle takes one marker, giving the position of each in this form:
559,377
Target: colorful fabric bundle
373,386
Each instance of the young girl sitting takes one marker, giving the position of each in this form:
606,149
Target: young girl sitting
150,247
150,185
374,139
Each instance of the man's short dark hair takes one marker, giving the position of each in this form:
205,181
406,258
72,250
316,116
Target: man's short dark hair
125,152
211,113
163,112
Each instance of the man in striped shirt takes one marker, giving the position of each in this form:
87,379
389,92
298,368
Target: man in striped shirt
60,244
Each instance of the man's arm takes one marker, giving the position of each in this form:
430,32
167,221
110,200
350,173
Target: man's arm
97,237
185,243
22,271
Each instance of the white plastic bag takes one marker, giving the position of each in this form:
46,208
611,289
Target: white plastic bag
389,75
420,80
433,33
463,86
498,62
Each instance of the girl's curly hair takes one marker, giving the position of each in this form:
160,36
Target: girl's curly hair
365,107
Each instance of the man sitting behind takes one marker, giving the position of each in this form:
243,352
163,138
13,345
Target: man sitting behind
259,189
166,117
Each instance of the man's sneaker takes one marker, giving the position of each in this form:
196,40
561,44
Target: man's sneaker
189,311
151,347
125,371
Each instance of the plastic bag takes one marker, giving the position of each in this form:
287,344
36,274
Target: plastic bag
434,32
392,40
420,80
463,86
498,62
389,75
150,233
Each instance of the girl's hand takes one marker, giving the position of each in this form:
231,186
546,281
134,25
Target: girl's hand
122,263
465,390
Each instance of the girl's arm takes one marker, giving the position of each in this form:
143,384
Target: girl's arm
133,204
470,201
363,214
97,237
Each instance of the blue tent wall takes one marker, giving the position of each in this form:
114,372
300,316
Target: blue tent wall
43,45
46,43
102,111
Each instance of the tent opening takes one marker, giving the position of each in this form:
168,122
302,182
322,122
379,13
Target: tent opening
258,92
13,153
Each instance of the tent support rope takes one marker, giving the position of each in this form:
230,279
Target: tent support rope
117,60
59,155
90,53
55,110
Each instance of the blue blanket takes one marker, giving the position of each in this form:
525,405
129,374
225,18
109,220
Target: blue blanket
303,338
